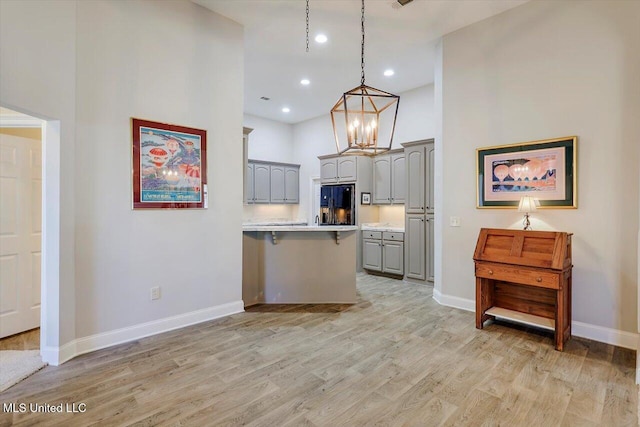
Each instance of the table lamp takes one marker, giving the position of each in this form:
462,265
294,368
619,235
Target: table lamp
527,204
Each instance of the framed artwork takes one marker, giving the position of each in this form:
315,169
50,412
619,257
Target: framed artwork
365,198
544,169
169,166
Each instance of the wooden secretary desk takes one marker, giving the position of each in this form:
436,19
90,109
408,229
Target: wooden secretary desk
525,276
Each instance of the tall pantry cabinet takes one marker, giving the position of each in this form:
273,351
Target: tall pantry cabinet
419,210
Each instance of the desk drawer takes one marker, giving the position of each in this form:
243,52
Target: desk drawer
521,275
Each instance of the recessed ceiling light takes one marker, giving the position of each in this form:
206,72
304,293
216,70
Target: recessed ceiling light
285,109
389,72
321,38
304,82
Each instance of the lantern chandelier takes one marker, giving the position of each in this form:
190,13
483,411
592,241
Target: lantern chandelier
369,115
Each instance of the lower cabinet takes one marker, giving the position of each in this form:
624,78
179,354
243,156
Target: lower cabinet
383,251
419,261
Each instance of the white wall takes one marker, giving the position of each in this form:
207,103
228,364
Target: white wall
109,61
544,70
269,140
313,138
416,116
159,61
37,76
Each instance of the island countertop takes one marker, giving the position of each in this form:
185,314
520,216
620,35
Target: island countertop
299,228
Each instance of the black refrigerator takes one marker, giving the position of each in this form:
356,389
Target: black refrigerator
337,205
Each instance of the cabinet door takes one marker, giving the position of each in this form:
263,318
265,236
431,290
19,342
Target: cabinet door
382,180
430,247
291,185
347,169
277,184
415,165
248,184
392,257
414,240
329,170
372,254
261,183
429,185
398,178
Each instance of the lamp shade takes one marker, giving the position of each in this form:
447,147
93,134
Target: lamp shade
528,204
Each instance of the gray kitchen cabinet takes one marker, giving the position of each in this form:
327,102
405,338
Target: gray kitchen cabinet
284,184
393,252
398,178
248,184
415,174
389,179
383,252
415,243
429,182
347,168
342,169
291,184
257,183
372,254
429,240
277,184
329,170
269,182
382,180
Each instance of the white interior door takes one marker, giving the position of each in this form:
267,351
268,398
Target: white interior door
20,233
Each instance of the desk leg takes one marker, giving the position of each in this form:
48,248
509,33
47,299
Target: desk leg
484,300
560,318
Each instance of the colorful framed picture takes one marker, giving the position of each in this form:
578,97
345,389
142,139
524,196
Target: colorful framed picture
169,166
545,170
365,198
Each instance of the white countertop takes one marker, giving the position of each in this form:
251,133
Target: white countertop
252,227
376,226
273,222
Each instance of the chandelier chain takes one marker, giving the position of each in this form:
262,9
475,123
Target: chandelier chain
307,25
362,46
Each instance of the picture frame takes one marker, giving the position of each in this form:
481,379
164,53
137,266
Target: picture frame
545,170
365,198
169,166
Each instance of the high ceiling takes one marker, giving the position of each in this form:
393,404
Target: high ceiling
402,38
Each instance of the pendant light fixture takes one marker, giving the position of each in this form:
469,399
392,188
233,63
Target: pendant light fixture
364,116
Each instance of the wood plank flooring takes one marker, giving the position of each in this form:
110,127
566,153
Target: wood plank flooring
395,358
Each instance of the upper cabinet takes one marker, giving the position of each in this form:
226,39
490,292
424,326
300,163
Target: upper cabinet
419,162
340,169
268,182
389,178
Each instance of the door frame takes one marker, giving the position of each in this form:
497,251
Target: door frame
50,261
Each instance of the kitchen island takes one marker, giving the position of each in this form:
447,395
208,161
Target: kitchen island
298,264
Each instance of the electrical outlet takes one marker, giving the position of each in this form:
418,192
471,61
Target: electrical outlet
155,293
454,221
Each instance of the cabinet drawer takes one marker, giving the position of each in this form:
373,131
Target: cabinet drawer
371,234
393,235
521,275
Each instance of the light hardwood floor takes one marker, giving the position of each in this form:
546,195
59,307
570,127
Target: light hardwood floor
394,358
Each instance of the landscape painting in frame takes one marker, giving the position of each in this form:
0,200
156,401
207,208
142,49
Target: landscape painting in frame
169,166
545,170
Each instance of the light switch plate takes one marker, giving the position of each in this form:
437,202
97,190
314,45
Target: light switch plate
454,221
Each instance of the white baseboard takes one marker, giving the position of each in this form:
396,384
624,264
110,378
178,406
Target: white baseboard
578,329
455,302
58,355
